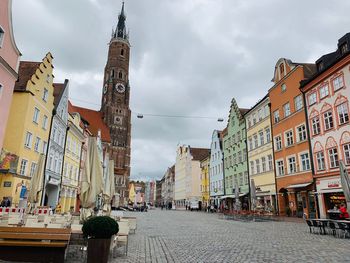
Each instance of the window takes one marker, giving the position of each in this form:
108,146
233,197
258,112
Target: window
36,115
343,113
263,164
250,143
278,143
28,142
261,135
54,133
269,157
50,163
346,148
238,137
312,98
254,118
32,169
2,34
268,134
45,94
280,167
23,167
324,91
122,52
289,138
37,144
239,156
255,141
338,83
251,167
305,161
298,103
316,129
286,109
333,157
44,147
301,133
344,48
276,116
328,120
260,114
282,69
249,123
292,165
320,161
48,78
283,87
120,75
257,164
244,155
44,126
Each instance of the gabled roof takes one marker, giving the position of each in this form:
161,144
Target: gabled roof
95,120
58,90
199,154
25,72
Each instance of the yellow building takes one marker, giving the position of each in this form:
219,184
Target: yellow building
27,130
260,155
205,181
71,166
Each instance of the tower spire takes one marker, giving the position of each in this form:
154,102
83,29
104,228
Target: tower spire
121,29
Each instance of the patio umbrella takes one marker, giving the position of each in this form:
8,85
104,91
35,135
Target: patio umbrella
238,203
109,187
345,183
36,183
253,193
92,181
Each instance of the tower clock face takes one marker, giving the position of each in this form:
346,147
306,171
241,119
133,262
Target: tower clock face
119,87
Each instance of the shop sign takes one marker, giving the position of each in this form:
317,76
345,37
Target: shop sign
7,184
333,183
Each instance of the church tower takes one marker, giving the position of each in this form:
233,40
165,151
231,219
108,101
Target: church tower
115,104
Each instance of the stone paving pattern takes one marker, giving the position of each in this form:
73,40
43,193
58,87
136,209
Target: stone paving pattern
184,236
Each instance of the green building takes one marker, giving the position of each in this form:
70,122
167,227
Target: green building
235,158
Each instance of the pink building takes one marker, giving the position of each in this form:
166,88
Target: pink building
327,96
9,61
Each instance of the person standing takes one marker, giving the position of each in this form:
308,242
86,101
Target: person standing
343,212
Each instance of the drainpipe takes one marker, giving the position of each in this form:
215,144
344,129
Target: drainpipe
273,161
47,153
64,154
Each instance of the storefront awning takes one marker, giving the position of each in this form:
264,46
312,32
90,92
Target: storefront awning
298,185
232,196
263,193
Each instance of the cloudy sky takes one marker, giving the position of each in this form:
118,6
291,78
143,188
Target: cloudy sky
188,57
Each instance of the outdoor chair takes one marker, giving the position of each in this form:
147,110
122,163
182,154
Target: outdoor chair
122,238
316,225
344,228
332,228
309,223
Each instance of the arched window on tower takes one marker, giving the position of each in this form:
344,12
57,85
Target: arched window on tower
112,73
122,52
120,75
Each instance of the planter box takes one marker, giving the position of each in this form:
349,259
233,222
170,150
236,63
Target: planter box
98,250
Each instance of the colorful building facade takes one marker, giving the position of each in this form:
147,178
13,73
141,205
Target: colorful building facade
56,145
327,102
235,158
9,62
72,162
260,155
291,145
216,168
204,187
27,130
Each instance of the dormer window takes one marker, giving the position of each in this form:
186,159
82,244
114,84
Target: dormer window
2,34
320,66
344,48
282,70
283,87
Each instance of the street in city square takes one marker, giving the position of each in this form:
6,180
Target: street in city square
184,236
174,131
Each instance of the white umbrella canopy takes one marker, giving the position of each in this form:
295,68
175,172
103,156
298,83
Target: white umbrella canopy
109,187
36,183
345,183
92,181
253,193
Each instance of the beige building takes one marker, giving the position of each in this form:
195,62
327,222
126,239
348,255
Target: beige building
260,155
188,174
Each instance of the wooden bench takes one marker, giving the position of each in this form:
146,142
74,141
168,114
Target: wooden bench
33,244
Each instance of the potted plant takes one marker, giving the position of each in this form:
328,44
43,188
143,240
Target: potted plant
99,230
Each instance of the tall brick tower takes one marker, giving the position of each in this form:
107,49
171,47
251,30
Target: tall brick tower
115,104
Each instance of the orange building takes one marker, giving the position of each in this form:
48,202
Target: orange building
293,164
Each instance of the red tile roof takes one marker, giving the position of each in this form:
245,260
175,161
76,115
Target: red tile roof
25,73
199,154
94,118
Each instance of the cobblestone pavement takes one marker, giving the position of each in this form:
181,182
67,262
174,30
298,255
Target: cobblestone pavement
183,236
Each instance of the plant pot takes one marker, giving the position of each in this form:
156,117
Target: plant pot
98,250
